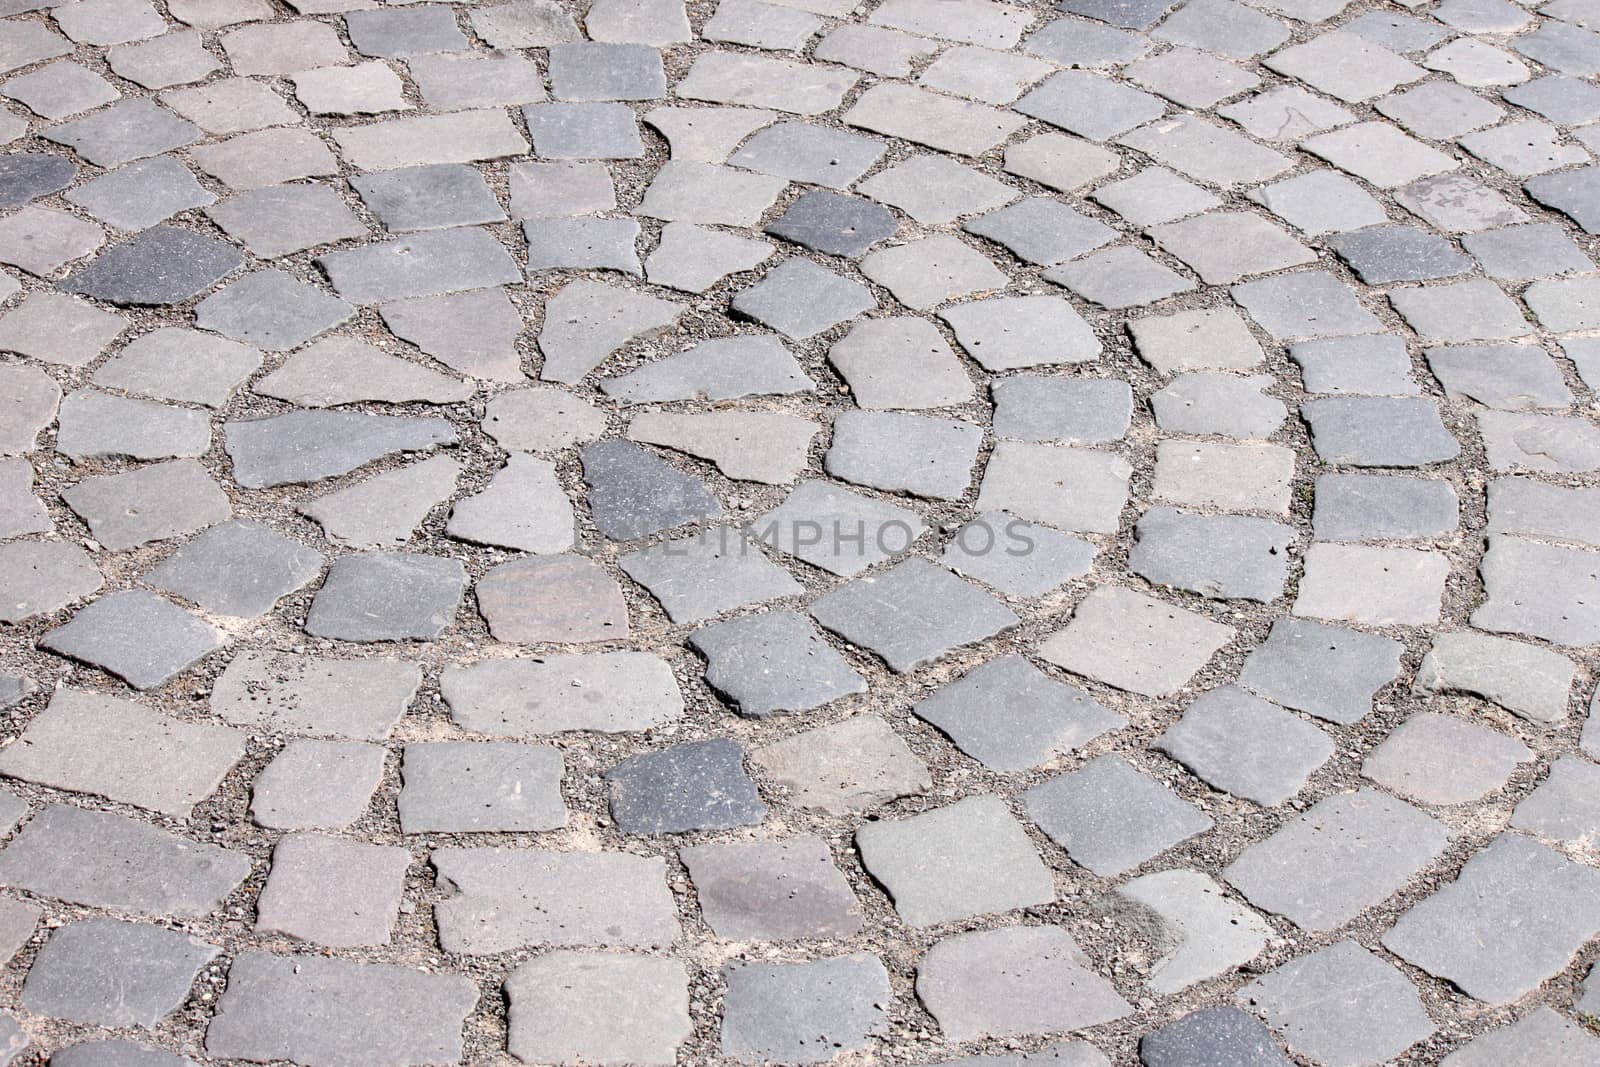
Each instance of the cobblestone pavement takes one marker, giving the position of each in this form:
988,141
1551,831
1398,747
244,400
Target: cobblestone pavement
786,531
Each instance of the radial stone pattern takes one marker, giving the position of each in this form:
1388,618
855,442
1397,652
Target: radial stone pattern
907,532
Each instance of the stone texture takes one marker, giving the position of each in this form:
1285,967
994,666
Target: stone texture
480,787
1246,746
772,890
137,636
387,596
854,765
1168,644
332,891
773,662
538,599
596,1007
111,973
606,692
1110,817
803,1012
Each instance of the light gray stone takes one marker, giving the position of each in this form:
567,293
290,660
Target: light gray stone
137,636
604,692
110,973
1531,681
42,577
384,511
152,503
1135,642
699,577
480,787
773,662
387,596
1110,817
853,765
803,1012
1245,746
772,890
316,785
1218,556
1200,931
598,1007
308,446
1437,759
523,507
332,891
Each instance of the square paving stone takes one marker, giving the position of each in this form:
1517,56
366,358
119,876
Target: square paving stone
42,577
1200,932
1110,817
1090,105
1010,716
535,24
912,614
231,105
702,576
1383,507
1524,506
480,787
151,503
1523,149
32,399
940,122
761,25
1574,193
1012,982
1204,339
969,858
387,596
240,568
280,220
1135,642
111,861
1205,151
41,240
1530,681
537,599
117,749
107,22
332,891
1515,917
302,447
1523,253
584,131
1074,489
266,157
1068,410
1372,585
135,635
1538,591
127,130
21,512
1365,365
698,785
523,507
1212,1035
288,693
1217,556
837,530
1348,853
25,42
58,329
1078,42
1041,231
60,90
899,362
363,89
800,299
935,189
1383,254
372,1010
110,973
509,898
772,890
1007,332
271,310
803,1012
1307,304
1563,808
1061,161
583,244
1328,671
1438,759
596,1007
462,137
1340,1004
1246,746
1379,431
1320,202
1154,195
1440,110
836,224
706,134
690,191
316,785
1120,277
141,194
283,48
602,71
1531,442
854,765
1232,477
1380,153
773,662
904,453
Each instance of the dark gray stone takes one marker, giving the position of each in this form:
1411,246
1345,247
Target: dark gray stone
163,265
238,568
633,493
1384,254
698,785
111,861
109,973
1245,746
592,70
834,223
1010,716
1379,431
432,197
135,635
803,1012
308,446
26,176
1212,1037
772,662
1515,917
481,787
1505,376
912,614
364,1012
387,596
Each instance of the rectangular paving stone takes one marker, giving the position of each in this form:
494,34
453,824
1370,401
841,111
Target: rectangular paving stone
284,692
939,122
1372,585
1535,509
137,636
1539,590
598,1007
461,137
128,130
152,503
607,692
480,787
498,899
1135,642
316,785
308,446
773,661
363,1010
1440,759
424,264
266,157
1110,817
1348,853
117,749
853,765
1245,746
110,973
772,890
1382,507
1205,151
583,131
332,891
802,1012
757,81
110,861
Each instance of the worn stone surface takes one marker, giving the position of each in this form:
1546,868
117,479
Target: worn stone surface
1110,817
478,787
772,890
332,891
112,973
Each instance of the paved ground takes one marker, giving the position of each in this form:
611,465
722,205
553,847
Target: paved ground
910,531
